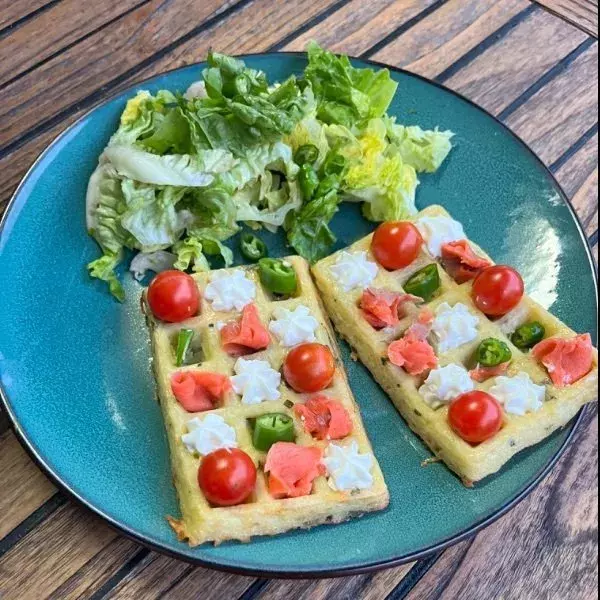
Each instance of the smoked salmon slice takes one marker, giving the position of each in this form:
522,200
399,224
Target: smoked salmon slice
292,469
481,373
382,308
197,391
414,354
245,336
567,361
324,418
461,262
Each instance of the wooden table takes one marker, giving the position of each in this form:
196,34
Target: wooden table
532,64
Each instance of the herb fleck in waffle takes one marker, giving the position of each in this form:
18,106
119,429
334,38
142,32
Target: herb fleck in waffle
261,514
471,462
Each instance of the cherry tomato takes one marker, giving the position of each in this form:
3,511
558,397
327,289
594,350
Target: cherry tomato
475,416
396,244
497,290
227,476
173,296
309,368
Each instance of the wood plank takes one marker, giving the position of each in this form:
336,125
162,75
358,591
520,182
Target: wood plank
254,28
583,13
11,11
159,576
359,25
510,66
97,571
373,586
546,547
573,173
441,39
54,29
24,487
98,60
48,556
562,111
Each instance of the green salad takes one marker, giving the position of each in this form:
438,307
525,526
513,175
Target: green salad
185,172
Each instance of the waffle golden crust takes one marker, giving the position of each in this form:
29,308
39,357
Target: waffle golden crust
261,514
471,462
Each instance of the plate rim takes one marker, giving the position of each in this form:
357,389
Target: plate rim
369,567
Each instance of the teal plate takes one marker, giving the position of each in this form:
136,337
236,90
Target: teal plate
75,368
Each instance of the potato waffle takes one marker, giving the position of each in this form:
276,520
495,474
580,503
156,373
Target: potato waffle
471,462
261,514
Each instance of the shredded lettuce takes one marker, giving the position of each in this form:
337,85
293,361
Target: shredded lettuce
184,172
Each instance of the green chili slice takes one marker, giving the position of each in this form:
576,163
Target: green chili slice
528,335
271,428
308,180
306,155
277,276
424,283
252,247
493,352
184,339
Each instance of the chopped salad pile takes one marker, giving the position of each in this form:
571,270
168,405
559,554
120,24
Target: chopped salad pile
184,172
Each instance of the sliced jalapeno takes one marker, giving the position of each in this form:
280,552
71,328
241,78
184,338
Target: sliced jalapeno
252,247
306,155
493,352
308,180
277,276
184,339
528,335
271,428
424,283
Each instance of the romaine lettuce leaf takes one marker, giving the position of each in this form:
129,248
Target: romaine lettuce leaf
103,268
158,261
172,169
151,215
308,230
346,95
189,254
424,150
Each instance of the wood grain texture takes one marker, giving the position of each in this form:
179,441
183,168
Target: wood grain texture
359,25
583,13
24,488
449,33
158,576
372,586
562,111
510,66
545,548
40,37
119,567
11,11
98,60
48,556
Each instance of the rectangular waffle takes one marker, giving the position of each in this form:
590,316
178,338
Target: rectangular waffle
261,514
471,462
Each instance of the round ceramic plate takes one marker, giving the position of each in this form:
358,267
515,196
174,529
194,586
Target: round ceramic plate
75,367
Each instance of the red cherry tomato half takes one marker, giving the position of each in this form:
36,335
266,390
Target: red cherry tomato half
497,290
173,296
309,368
227,476
396,244
475,416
